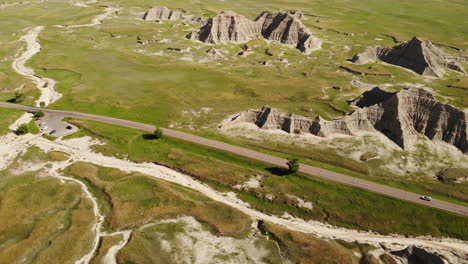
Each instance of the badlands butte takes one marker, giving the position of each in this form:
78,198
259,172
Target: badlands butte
238,88
396,115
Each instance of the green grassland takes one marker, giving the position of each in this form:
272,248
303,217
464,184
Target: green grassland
305,248
333,203
104,70
163,87
372,170
131,200
41,219
7,117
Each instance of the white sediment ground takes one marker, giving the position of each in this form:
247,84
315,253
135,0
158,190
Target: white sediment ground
45,85
97,20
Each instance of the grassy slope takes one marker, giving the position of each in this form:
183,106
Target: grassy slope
99,70
336,204
41,219
8,116
307,249
130,200
331,160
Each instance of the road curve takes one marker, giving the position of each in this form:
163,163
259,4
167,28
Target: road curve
314,171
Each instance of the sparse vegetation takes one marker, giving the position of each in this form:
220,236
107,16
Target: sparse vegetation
158,133
223,170
18,98
22,129
38,115
293,164
41,219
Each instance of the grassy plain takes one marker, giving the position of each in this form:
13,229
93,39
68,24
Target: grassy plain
307,249
103,70
130,200
41,219
333,203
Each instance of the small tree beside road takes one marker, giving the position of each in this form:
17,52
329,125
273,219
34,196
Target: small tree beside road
293,164
158,133
38,115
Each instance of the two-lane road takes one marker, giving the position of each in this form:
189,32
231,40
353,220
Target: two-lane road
314,171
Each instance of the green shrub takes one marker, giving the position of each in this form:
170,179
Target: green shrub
22,129
293,164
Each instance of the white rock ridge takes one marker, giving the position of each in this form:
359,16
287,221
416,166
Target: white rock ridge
164,13
396,115
418,55
281,26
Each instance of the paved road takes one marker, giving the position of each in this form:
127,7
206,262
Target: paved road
329,175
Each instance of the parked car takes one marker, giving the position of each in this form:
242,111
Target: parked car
52,132
69,127
42,124
426,198
44,128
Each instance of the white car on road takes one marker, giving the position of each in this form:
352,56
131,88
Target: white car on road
426,198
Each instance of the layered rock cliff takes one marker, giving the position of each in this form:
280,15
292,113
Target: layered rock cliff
414,254
418,55
281,26
287,28
396,115
226,27
164,13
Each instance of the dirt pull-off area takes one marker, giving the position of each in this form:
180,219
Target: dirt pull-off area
418,55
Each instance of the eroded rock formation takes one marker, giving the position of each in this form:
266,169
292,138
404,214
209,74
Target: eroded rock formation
164,13
396,115
226,27
418,55
415,255
281,26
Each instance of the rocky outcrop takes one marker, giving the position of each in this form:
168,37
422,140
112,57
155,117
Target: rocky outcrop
281,26
415,255
396,115
371,97
226,27
287,28
418,55
164,13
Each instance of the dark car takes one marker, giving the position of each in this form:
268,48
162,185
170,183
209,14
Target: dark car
52,132
69,127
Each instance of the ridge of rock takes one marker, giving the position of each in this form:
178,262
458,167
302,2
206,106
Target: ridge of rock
418,55
396,115
226,27
371,97
164,13
282,26
414,254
